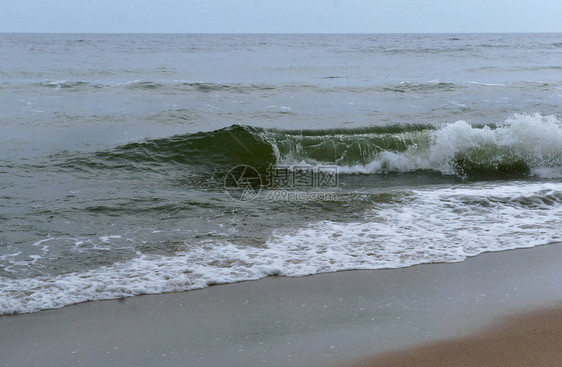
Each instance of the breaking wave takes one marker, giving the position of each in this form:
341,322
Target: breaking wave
523,145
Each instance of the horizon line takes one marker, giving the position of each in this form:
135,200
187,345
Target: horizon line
282,33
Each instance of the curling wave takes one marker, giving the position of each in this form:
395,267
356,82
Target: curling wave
520,146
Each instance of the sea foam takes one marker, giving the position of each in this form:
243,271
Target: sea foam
428,226
524,142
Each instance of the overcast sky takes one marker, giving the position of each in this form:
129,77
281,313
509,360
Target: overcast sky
280,16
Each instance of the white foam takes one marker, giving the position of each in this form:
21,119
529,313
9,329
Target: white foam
534,138
433,225
487,84
106,239
7,256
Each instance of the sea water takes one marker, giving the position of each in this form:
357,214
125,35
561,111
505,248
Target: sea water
139,164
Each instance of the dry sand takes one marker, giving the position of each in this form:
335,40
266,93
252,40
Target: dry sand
323,320
533,339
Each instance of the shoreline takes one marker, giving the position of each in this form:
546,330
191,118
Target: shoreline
325,319
168,293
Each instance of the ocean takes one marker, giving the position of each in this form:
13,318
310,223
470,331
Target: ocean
142,163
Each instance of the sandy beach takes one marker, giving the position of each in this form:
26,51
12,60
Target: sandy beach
336,319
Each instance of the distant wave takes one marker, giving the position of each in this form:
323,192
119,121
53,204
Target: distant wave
429,87
423,87
158,85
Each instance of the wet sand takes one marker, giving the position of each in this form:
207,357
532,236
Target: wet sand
324,320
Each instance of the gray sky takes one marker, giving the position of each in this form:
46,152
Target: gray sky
281,16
